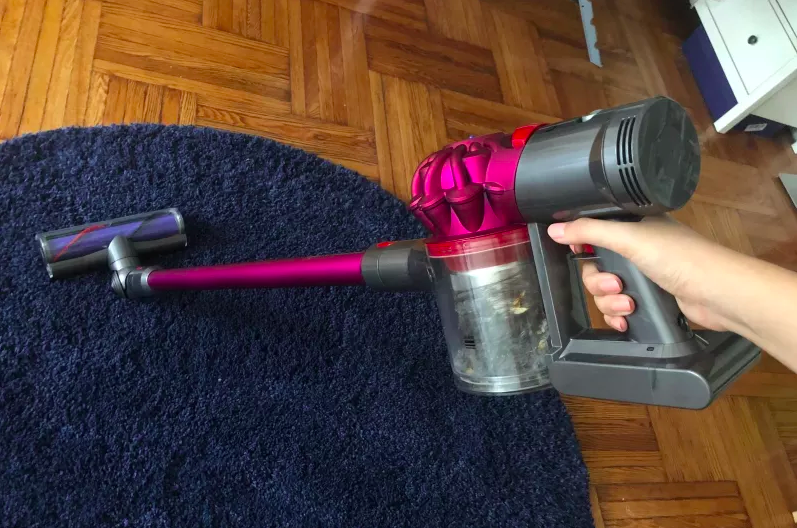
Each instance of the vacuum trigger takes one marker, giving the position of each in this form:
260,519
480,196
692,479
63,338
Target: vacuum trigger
587,253
584,255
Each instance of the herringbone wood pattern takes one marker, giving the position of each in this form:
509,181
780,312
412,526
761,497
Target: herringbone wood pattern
376,86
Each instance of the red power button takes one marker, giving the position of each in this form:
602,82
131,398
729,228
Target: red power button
522,134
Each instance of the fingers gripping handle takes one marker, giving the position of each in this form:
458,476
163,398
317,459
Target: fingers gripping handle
656,317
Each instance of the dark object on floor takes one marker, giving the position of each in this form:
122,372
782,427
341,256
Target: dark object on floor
316,407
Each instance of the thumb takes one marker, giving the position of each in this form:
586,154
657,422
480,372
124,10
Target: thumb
615,236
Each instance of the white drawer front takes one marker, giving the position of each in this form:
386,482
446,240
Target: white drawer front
789,8
756,40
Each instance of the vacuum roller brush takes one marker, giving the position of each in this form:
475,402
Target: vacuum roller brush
75,250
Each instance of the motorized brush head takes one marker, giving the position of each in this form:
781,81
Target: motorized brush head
75,250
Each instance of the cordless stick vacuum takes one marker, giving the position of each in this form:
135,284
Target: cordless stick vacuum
510,299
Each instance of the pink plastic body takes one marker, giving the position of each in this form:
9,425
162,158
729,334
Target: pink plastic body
468,187
328,270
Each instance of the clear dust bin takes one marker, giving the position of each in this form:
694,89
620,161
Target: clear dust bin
492,312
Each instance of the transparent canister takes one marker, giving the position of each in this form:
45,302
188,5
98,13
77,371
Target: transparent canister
492,311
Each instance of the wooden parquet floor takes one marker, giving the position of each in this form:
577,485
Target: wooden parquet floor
376,85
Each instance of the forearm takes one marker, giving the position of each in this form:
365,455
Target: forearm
759,301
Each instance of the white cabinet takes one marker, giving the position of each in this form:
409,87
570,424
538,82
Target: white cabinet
754,38
756,44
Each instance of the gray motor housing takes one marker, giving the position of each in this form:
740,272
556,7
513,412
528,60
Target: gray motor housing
634,160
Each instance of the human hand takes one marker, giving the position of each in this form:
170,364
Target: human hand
670,254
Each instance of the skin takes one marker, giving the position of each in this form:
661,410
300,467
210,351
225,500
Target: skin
715,287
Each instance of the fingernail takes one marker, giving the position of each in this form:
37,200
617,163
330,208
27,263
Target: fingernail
556,231
622,325
622,306
611,286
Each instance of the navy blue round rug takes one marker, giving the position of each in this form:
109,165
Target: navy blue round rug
315,407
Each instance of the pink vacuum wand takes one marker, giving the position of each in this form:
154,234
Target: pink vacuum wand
509,297
119,243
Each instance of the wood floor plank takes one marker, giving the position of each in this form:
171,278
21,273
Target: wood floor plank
612,426
58,90
724,443
716,222
644,53
595,506
188,109
135,99
466,116
80,76
296,41
436,61
170,108
10,25
42,68
184,10
153,104
207,89
13,101
613,458
733,520
274,21
618,70
115,101
111,50
254,20
671,508
219,15
310,73
553,18
463,21
359,111
667,491
611,34
239,12
619,435
333,107
616,96
735,186
177,38
767,363
756,462
522,67
330,73
348,146
778,460
97,97
407,13
243,102
627,474
580,96
765,385
210,13
415,130
590,410
675,18
691,445
381,134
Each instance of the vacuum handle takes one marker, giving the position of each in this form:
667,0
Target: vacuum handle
656,318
